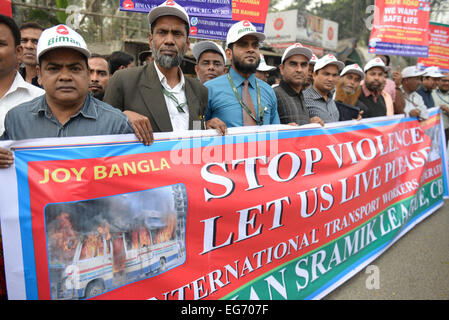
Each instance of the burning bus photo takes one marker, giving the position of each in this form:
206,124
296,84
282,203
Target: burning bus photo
101,244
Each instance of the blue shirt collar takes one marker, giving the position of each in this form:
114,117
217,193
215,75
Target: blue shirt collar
88,110
238,79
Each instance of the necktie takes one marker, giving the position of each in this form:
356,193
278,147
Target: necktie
246,98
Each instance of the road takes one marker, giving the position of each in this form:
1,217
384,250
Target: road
415,267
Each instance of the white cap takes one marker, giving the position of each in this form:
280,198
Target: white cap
433,72
376,62
313,60
263,65
353,68
412,71
168,8
326,60
296,48
61,36
240,29
202,46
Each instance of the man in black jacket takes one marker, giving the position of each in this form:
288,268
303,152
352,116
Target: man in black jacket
294,70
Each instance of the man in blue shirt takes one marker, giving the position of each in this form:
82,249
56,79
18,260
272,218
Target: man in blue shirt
228,99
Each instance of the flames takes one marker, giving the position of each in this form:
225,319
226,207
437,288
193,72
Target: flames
168,232
64,239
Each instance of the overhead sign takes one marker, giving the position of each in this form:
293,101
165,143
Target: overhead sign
438,47
308,29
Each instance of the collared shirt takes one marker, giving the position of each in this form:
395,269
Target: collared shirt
373,102
368,93
441,98
291,105
224,105
390,88
179,120
34,119
426,96
414,101
19,92
318,107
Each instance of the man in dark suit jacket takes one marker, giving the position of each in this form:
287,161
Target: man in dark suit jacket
157,97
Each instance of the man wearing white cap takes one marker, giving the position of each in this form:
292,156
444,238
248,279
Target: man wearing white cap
371,96
414,103
318,97
67,108
239,98
294,68
158,97
429,82
348,91
210,60
263,70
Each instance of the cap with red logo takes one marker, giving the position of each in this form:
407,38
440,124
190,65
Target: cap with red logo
353,68
240,29
168,8
376,62
61,36
313,60
411,72
327,60
263,66
296,48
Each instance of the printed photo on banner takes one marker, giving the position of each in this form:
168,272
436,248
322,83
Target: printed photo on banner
101,244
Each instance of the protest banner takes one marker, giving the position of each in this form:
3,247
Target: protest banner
438,47
213,28
275,212
400,27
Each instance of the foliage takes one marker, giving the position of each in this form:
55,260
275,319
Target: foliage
62,4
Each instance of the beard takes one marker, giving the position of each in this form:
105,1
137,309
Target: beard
246,68
166,61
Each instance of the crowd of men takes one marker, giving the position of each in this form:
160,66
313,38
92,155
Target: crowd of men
52,86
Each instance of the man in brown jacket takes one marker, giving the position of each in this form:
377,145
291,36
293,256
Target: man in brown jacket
157,97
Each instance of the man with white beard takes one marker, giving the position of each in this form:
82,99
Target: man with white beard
157,97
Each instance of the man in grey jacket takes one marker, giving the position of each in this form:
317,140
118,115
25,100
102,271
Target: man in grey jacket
157,97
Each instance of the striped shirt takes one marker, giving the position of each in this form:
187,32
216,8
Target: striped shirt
318,107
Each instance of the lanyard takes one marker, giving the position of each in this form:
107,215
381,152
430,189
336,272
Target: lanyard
170,95
261,108
442,99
